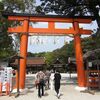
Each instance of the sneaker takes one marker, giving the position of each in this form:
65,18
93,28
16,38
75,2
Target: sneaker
58,95
39,96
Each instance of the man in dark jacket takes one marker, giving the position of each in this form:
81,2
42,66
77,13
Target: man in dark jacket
57,78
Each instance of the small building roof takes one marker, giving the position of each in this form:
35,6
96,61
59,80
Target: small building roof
57,61
92,55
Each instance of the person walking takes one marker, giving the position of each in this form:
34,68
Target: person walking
36,81
57,78
47,75
40,77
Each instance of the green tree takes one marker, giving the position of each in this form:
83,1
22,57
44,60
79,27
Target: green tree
92,42
23,6
6,45
49,57
72,7
6,41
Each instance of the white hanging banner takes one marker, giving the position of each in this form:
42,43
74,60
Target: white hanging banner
6,77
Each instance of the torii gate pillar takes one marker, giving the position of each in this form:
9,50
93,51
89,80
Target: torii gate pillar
23,53
79,57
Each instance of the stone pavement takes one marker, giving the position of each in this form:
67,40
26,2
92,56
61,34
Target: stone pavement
67,91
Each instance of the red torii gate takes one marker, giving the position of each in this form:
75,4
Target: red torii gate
25,29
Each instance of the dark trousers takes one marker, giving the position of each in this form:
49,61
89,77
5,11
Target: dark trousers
48,82
40,89
57,87
57,91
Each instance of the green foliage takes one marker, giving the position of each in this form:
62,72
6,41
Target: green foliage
19,6
92,42
23,6
72,7
49,57
29,54
69,7
1,6
96,38
6,45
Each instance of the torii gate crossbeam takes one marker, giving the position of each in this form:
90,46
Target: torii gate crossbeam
25,29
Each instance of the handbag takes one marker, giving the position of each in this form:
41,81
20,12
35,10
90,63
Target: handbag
37,82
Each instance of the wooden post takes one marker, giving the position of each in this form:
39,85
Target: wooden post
0,88
7,88
79,57
23,53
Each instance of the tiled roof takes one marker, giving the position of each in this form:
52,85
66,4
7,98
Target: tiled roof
32,61
57,61
36,60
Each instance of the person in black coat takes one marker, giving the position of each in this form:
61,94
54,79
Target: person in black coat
57,78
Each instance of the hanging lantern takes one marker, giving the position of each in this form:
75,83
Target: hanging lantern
54,40
45,40
30,40
33,40
37,40
41,40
